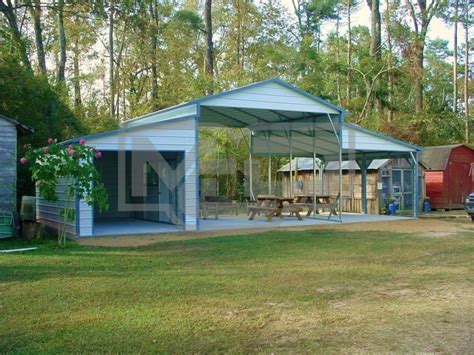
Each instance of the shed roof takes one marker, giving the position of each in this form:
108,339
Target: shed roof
283,119
267,101
437,157
306,164
22,128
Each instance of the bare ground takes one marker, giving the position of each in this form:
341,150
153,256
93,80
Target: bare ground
421,227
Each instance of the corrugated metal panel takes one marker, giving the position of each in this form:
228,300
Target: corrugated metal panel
169,136
319,136
173,135
268,96
48,212
358,140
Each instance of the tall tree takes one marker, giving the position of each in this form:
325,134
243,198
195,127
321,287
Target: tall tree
8,10
35,11
111,58
455,64
467,21
62,42
311,14
153,8
349,51
391,79
421,14
209,43
376,43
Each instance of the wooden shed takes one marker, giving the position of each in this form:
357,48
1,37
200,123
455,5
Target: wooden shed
449,178
387,179
10,130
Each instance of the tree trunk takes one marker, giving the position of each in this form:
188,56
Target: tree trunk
338,76
239,33
421,22
154,64
35,12
111,60
390,60
375,45
349,51
62,42
77,82
209,44
466,73
9,12
455,64
419,77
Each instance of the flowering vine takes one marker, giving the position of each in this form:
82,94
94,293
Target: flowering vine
72,166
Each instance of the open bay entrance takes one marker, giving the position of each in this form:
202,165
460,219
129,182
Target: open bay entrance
146,188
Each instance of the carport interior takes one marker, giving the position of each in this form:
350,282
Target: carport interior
145,192
280,133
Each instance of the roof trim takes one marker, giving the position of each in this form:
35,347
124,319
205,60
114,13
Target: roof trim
19,126
382,136
203,99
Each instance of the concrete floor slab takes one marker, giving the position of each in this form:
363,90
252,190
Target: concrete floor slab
242,222
136,226
132,226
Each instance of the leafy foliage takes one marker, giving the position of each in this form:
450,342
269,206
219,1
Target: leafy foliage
71,169
158,59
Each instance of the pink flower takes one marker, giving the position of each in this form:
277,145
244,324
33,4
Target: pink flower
46,150
50,140
98,155
70,152
23,161
26,146
82,141
69,147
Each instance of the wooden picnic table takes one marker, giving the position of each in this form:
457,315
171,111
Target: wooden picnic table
322,201
274,206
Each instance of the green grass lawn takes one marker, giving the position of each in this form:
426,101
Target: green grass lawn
282,291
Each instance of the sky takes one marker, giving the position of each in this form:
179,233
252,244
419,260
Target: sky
437,29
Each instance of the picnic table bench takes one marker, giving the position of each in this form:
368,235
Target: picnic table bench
273,206
322,202
216,205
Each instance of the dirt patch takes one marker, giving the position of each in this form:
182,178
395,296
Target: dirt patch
422,227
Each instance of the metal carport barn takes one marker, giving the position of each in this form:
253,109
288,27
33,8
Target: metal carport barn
287,121
282,119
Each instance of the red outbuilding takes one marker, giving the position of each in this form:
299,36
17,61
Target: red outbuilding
450,175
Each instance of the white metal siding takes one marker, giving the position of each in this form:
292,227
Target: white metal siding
48,212
170,136
86,219
270,96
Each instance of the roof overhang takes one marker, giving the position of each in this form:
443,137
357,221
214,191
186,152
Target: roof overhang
21,128
283,120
